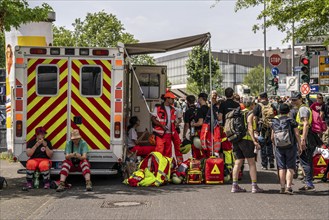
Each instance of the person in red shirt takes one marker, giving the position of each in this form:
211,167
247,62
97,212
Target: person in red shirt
317,106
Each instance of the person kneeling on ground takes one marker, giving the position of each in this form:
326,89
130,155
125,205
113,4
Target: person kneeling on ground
245,148
284,136
75,160
134,142
40,151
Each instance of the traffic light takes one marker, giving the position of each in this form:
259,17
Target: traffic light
305,74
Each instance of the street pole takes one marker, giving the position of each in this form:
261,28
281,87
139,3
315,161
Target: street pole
264,48
293,47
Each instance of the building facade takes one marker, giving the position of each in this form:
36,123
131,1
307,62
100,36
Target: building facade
235,66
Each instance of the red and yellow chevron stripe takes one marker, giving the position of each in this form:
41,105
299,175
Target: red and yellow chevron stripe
51,111
95,111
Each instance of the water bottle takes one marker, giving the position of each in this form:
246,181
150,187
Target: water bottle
36,179
192,128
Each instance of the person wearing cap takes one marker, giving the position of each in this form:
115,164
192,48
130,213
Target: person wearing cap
40,150
75,160
309,140
197,123
164,127
286,157
264,129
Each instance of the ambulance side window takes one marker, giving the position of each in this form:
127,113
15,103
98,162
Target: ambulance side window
91,81
150,84
47,80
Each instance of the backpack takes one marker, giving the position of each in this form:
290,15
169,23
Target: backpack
3,182
283,135
267,115
235,125
318,125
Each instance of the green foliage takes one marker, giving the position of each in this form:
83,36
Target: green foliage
255,79
143,60
198,75
98,30
13,13
310,17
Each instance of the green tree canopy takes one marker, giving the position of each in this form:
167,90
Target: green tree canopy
255,79
13,13
199,75
98,29
310,17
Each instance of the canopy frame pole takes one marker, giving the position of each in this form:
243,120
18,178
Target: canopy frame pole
211,104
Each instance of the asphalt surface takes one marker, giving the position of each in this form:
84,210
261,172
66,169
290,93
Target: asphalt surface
111,199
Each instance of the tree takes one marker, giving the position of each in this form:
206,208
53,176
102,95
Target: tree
255,79
13,13
198,75
310,17
98,30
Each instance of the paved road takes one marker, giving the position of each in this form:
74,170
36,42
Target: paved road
110,197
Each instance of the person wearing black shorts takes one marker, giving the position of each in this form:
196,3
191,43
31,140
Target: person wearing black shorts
245,149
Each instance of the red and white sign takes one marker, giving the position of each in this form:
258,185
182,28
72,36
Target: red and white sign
275,60
305,89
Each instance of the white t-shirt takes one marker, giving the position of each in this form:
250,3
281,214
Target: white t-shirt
132,136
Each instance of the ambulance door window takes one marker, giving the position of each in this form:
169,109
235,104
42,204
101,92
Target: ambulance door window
91,81
47,80
150,84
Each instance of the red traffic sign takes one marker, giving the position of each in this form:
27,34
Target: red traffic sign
275,59
305,89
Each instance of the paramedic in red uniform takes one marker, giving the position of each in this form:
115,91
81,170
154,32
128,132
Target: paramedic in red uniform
40,151
164,128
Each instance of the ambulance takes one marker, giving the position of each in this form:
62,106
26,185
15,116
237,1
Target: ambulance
90,89
95,90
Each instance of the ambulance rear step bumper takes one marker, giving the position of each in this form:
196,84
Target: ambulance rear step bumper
93,172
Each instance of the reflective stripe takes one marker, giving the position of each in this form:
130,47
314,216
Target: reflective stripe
65,169
162,120
66,165
84,163
85,168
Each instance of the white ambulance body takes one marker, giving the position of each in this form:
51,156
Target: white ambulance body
90,89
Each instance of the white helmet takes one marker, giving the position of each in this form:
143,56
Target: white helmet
197,142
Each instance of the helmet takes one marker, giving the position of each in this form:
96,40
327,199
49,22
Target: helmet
152,139
197,142
176,179
185,146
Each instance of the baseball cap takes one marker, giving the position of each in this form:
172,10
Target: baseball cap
263,95
40,130
296,95
169,95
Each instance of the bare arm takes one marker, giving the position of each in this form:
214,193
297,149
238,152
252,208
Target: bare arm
296,132
198,123
251,131
305,132
30,151
156,122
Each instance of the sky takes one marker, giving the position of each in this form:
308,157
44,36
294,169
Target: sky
152,20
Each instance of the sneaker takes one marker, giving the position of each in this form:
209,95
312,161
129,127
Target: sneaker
256,189
307,188
237,189
282,190
89,186
289,191
29,185
264,168
272,166
46,185
61,187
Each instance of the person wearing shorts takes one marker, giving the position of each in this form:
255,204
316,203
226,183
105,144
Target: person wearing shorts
286,157
244,149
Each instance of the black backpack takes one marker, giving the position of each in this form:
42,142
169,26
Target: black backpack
235,125
283,135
